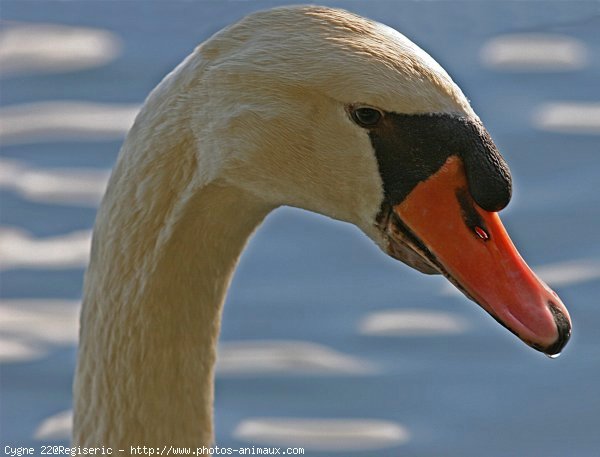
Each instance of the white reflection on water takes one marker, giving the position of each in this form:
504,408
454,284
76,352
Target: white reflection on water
70,186
55,427
286,357
51,48
65,121
322,434
534,52
411,322
569,117
18,249
30,329
569,272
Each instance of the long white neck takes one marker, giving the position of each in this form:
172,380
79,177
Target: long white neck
165,245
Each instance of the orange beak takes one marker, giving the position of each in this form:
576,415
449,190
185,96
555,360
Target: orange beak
471,248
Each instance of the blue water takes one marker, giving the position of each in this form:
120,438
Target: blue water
305,277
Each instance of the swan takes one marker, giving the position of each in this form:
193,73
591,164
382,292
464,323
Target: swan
310,107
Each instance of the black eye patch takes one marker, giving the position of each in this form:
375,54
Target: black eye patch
412,147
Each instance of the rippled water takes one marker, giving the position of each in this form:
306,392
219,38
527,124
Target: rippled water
326,342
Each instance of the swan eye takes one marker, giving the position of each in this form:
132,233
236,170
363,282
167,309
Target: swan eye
366,117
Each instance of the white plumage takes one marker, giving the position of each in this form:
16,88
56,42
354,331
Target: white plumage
253,119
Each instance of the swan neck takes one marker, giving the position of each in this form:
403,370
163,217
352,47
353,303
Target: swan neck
164,250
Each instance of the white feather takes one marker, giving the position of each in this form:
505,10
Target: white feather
253,119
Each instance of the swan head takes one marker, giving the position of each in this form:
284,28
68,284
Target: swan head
324,110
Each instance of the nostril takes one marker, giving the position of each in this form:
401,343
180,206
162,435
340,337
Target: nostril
564,330
481,233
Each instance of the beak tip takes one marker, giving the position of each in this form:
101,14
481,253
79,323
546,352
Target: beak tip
563,326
